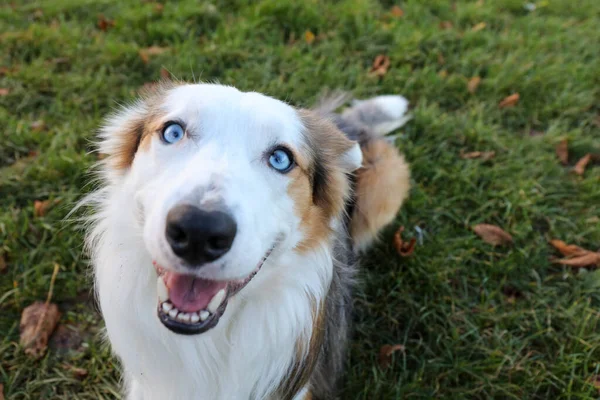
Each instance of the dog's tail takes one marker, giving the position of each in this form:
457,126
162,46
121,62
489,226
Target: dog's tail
383,181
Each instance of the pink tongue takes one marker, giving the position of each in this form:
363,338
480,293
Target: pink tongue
191,294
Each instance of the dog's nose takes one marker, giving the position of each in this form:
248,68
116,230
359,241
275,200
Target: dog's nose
199,236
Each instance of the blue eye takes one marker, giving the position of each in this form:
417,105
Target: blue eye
281,160
173,133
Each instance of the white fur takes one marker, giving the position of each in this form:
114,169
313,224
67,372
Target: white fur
248,353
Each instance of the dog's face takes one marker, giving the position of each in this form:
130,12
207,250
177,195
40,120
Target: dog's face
221,179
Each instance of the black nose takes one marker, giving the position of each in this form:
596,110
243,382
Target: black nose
199,236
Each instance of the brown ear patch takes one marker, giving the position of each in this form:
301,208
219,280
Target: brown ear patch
320,187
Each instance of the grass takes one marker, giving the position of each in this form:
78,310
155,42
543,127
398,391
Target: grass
476,321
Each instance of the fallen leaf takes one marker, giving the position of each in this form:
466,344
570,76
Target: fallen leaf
492,234
397,11
385,353
309,37
403,248
446,25
380,65
3,265
4,91
41,207
568,250
148,52
104,24
473,84
484,155
38,125
579,168
590,259
38,321
562,151
509,101
478,27
79,373
165,74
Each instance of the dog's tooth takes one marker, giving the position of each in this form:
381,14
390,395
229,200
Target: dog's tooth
173,313
194,318
216,301
184,317
161,289
166,306
203,315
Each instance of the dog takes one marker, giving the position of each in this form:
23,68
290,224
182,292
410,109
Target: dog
224,237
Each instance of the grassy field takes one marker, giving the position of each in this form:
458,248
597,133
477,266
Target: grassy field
476,321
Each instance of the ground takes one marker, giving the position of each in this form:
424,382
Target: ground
476,321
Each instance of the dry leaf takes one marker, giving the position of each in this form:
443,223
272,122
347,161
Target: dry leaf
380,65
41,207
568,250
562,151
1,391
38,321
385,354
579,168
478,27
397,11
446,25
4,91
38,125
146,53
3,265
403,248
509,101
589,259
473,84
309,37
492,234
484,155
165,74
104,24
79,373
596,381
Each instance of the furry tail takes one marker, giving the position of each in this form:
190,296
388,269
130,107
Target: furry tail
383,182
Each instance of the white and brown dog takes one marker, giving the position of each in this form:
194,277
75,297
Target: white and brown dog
224,238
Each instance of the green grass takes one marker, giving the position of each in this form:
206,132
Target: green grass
449,304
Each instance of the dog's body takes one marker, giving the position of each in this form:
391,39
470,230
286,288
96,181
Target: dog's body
262,311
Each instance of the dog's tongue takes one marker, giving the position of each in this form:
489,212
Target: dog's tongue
189,293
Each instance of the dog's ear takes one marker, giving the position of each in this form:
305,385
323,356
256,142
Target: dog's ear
352,158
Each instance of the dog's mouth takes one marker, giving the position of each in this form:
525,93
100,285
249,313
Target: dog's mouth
190,305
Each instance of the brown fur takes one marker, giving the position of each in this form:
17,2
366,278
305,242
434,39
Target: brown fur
320,187
382,185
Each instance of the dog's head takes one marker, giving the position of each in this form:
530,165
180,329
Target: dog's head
221,179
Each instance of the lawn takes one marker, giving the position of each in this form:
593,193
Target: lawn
476,321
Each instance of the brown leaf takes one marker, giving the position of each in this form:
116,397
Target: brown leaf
380,65
579,168
104,24
589,259
562,151
38,321
478,27
4,92
309,37
509,101
77,372
403,248
38,125
492,234
148,52
3,265
397,12
568,250
446,25
473,84
1,391
484,155
385,353
596,381
41,207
